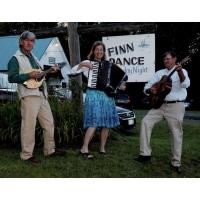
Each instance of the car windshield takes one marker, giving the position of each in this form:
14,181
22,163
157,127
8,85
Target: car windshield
122,96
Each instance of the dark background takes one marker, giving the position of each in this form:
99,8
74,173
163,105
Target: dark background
175,36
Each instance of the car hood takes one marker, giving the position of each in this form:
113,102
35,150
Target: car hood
121,110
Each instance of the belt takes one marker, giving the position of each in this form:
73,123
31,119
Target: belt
172,101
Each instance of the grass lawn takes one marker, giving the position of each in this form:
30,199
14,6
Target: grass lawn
120,162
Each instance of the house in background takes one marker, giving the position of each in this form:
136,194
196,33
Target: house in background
49,51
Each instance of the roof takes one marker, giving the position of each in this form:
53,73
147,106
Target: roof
9,45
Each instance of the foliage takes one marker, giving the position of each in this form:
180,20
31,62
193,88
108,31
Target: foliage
68,122
119,162
8,28
10,121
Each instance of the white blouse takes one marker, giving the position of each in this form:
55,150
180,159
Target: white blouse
178,91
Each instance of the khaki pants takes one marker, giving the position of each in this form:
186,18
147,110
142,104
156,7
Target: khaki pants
173,113
33,107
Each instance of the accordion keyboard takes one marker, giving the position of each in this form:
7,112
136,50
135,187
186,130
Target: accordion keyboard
93,75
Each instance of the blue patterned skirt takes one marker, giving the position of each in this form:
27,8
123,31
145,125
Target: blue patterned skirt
99,110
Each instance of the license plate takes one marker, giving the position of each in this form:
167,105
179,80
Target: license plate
130,121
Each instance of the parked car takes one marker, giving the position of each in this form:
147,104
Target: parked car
63,93
123,100
187,104
8,95
127,119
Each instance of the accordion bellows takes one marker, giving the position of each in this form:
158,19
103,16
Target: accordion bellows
106,76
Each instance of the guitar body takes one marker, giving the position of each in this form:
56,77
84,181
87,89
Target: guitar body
163,89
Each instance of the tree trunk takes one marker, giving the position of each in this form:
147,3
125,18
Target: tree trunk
74,51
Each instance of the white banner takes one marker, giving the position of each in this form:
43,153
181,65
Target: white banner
134,53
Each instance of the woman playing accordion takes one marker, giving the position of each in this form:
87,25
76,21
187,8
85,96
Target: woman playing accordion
99,107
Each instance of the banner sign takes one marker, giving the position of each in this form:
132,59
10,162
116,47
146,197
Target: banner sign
134,53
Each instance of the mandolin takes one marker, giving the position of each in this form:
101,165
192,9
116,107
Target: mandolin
36,83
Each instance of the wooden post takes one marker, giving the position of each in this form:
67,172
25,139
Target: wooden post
74,51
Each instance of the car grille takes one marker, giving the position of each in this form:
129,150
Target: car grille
126,115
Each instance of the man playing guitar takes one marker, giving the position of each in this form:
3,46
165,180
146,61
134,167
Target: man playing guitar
172,110
22,67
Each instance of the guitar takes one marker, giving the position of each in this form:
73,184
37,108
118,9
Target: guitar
36,83
163,87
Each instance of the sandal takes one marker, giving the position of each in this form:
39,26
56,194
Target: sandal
86,155
102,153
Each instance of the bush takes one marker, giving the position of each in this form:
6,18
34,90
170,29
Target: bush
10,120
68,121
67,118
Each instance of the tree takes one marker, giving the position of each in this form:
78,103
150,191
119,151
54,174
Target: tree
74,49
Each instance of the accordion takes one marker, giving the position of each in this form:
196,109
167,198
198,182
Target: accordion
106,76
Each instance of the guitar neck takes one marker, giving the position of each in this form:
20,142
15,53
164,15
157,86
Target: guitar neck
171,73
186,59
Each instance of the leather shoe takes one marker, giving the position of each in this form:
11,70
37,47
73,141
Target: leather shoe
142,159
58,152
177,169
33,160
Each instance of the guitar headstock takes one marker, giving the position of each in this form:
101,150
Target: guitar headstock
186,60
193,49
194,46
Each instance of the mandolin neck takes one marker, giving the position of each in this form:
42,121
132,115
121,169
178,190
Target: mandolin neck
44,73
47,71
60,65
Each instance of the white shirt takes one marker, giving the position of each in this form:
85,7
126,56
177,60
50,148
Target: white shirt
178,91
82,69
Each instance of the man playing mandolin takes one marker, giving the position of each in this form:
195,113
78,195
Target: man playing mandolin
168,91
22,67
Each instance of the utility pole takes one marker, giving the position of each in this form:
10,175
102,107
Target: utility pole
74,51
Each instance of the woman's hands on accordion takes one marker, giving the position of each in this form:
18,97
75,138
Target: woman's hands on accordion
123,86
